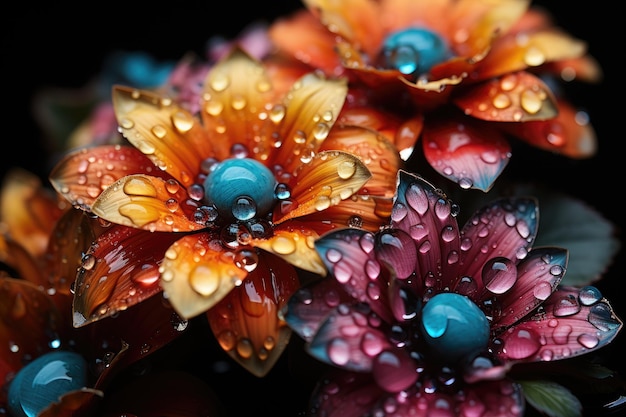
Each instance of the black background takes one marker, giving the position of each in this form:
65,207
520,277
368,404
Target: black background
64,46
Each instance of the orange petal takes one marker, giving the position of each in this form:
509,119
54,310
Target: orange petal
585,68
518,97
198,273
378,154
120,270
469,154
236,92
331,176
20,263
82,174
518,52
294,242
28,210
149,203
362,211
166,133
569,134
246,322
304,119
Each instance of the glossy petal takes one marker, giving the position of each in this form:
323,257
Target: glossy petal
82,174
246,322
148,203
572,322
293,242
236,91
305,118
345,339
197,273
165,132
569,133
515,97
120,270
471,155
510,224
329,178
28,210
376,152
538,275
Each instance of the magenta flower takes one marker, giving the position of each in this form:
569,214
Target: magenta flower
424,316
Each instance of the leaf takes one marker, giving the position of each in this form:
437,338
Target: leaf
552,399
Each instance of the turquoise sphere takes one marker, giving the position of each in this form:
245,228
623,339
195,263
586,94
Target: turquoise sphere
44,380
454,327
241,188
415,50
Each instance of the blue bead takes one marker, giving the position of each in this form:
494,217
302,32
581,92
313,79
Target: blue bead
454,327
44,381
415,51
241,188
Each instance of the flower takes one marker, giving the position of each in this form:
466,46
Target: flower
467,75
426,317
217,210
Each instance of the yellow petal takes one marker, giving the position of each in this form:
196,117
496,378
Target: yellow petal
295,245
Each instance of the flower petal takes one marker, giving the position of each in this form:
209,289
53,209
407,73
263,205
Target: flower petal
510,224
469,154
329,178
304,120
514,97
120,270
197,273
148,203
82,174
246,322
538,275
165,132
345,337
294,243
378,154
569,133
572,322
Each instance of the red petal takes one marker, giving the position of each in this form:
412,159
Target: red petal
469,154
246,321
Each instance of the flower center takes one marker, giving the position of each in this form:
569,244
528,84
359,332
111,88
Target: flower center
241,188
414,51
454,327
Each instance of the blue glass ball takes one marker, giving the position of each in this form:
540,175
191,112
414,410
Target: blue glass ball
44,380
415,50
241,188
454,327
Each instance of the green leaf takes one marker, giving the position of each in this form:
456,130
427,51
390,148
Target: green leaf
551,398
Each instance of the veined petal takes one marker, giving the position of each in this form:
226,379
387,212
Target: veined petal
516,52
538,276
82,174
197,273
343,337
329,178
471,155
569,133
377,153
148,203
517,97
246,321
304,119
120,270
508,224
572,322
293,242
363,211
236,91
165,132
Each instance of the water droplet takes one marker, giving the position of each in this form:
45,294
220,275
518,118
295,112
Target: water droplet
499,275
204,280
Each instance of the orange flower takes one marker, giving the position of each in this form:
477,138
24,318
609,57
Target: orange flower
218,209
466,74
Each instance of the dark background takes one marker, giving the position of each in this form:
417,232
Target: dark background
63,46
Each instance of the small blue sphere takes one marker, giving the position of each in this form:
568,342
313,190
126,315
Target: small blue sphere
241,188
415,50
454,327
